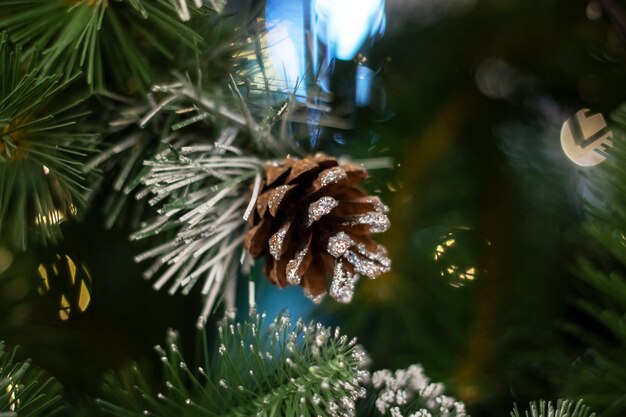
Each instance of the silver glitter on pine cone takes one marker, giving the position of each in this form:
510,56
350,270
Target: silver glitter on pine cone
313,223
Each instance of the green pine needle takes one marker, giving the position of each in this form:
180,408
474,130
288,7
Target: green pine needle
564,408
41,149
106,38
288,371
25,392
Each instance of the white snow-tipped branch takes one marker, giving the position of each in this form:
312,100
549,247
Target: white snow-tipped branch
203,194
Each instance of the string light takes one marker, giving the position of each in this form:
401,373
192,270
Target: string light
342,28
345,26
14,402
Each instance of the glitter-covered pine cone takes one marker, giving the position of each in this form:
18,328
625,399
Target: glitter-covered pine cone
313,223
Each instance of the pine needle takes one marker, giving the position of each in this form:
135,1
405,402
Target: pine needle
193,157
25,392
41,151
288,370
202,193
104,38
564,408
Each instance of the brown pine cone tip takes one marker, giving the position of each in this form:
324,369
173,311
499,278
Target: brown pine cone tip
312,222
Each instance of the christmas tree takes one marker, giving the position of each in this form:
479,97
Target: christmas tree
312,208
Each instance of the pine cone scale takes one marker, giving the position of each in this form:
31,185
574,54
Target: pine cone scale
261,205
277,196
301,170
319,209
297,267
314,280
280,241
273,171
255,240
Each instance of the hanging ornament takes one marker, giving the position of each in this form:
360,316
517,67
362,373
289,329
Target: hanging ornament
313,222
585,138
457,256
68,281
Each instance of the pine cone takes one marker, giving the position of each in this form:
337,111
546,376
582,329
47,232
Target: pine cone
312,222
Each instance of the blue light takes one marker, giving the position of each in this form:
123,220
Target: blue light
338,29
364,81
345,25
284,21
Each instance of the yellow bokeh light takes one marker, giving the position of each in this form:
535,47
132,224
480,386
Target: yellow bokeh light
54,217
43,272
84,297
441,249
72,267
64,311
13,401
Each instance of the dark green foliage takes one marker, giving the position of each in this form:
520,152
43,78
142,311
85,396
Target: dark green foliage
288,370
25,392
41,148
602,376
110,40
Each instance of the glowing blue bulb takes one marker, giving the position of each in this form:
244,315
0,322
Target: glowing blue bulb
284,20
364,80
345,25
338,29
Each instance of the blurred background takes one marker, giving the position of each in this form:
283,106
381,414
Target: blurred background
470,97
